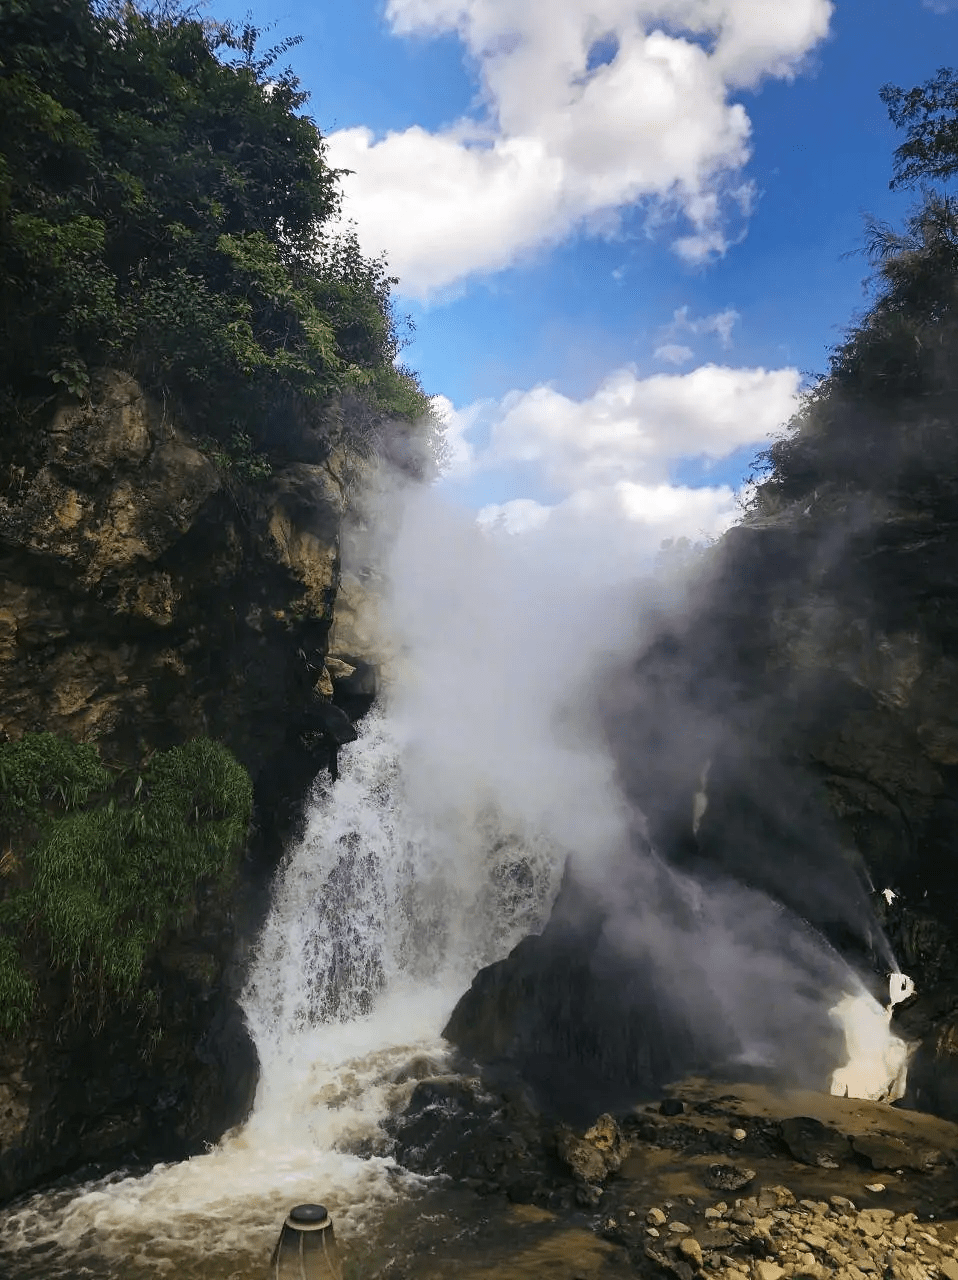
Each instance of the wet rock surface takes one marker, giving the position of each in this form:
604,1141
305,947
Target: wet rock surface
147,595
658,1200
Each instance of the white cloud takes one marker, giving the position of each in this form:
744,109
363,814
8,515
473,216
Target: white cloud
608,457
519,515
720,323
612,532
458,423
562,147
632,428
664,510
673,353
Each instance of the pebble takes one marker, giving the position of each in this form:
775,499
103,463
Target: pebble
874,1186
816,1240
765,1270
739,1135
841,1202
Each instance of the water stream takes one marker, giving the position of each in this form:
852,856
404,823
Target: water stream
379,920
380,917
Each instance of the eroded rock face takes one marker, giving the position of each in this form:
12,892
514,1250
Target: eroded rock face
146,597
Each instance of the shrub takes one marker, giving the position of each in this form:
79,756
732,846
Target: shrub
111,860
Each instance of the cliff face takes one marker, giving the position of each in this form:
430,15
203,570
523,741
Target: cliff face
808,697
148,596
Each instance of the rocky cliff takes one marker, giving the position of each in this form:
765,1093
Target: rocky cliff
793,729
153,590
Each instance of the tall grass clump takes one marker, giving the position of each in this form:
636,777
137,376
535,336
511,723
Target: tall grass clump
100,864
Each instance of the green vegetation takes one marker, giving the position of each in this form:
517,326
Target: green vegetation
166,208
110,861
884,419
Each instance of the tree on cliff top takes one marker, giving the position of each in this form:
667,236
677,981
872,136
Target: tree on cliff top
929,115
166,206
885,417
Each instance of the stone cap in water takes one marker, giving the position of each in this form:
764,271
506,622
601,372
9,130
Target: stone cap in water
308,1217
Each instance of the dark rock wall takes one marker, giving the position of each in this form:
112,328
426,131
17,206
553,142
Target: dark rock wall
813,683
148,596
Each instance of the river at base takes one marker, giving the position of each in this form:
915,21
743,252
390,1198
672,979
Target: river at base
217,1216
380,918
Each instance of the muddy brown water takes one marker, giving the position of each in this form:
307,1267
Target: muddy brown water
430,1230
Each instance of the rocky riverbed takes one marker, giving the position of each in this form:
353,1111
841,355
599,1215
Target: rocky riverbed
722,1180
713,1180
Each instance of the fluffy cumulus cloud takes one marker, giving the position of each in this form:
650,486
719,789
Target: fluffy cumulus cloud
570,139
633,428
609,458
612,531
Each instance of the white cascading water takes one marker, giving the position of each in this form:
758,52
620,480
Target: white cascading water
438,848
378,923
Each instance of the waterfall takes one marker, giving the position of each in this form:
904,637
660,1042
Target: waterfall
379,917
439,846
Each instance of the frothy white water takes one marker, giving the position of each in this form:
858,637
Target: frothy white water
379,920
380,907
438,848
877,1065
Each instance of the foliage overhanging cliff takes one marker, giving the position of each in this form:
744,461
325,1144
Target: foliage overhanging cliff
883,419
166,209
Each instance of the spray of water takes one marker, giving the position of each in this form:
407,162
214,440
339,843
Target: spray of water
439,847
379,918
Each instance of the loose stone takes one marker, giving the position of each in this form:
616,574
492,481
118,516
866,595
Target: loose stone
691,1249
765,1270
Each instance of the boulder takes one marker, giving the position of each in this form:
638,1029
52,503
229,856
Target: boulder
812,1142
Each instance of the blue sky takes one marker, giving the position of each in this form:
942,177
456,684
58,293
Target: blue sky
621,226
